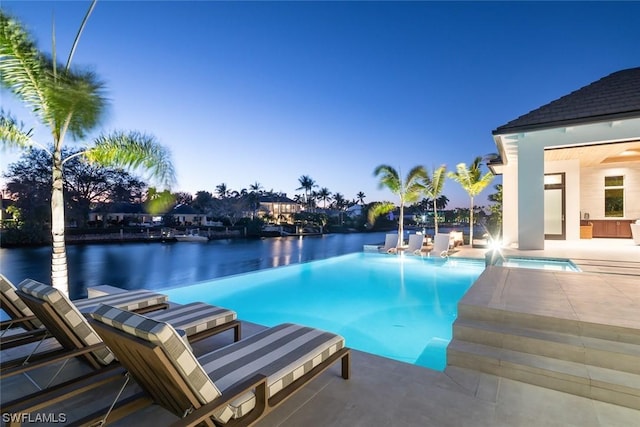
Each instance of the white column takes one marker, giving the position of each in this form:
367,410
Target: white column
530,194
510,203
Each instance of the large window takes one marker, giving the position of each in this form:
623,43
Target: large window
614,196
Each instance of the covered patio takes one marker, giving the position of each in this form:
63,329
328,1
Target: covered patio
573,162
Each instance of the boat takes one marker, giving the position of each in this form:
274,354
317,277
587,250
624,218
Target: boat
190,235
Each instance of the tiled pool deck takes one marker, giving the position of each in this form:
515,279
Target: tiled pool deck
386,392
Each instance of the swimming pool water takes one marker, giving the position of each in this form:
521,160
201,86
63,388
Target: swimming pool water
540,263
400,307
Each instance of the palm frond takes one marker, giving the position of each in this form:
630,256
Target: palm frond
134,150
437,180
414,184
22,67
77,101
377,209
12,133
388,178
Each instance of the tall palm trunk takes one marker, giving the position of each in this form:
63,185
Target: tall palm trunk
401,227
471,223
435,217
59,275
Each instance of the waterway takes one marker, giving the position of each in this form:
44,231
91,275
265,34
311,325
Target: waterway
161,265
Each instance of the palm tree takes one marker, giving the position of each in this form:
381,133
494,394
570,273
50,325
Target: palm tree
255,191
324,194
360,197
433,188
408,190
473,182
339,203
222,191
68,102
256,187
306,183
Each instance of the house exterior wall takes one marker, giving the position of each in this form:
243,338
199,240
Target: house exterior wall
592,189
529,161
510,204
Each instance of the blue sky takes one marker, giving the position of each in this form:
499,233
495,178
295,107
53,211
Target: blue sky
269,91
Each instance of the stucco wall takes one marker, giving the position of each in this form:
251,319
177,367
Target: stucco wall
592,189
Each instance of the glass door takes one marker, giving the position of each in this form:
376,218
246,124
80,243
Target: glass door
554,207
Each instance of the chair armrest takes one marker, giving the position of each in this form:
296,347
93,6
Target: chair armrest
16,340
257,382
5,324
55,357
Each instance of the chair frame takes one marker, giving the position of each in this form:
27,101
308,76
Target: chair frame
34,332
152,369
72,346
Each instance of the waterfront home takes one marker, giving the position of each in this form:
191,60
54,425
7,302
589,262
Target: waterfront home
120,213
582,167
278,208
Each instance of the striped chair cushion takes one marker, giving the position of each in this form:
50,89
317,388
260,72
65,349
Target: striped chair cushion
128,300
9,291
69,314
166,337
283,353
194,317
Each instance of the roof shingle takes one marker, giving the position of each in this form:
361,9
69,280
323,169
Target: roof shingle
615,96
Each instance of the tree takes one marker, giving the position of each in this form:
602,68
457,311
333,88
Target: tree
473,182
324,194
360,197
496,209
68,102
307,184
183,197
408,191
433,189
256,187
85,185
222,190
203,202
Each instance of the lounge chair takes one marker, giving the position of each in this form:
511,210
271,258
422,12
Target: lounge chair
441,245
141,301
234,385
72,330
390,243
415,244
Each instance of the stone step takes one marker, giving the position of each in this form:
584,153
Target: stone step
594,382
548,323
587,350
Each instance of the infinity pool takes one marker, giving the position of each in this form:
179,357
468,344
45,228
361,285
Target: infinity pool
400,307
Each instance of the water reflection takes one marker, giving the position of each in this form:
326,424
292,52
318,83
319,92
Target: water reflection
158,265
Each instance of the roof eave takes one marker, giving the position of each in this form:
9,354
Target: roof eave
502,130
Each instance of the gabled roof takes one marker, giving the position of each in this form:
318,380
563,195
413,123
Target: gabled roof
120,207
183,209
275,199
614,97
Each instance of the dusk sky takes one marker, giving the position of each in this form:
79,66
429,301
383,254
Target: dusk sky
269,91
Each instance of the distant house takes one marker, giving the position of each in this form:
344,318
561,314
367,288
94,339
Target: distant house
120,213
278,208
574,159
186,215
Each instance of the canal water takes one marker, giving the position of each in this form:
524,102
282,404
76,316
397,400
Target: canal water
161,265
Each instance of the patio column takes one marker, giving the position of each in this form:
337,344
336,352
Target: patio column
530,194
